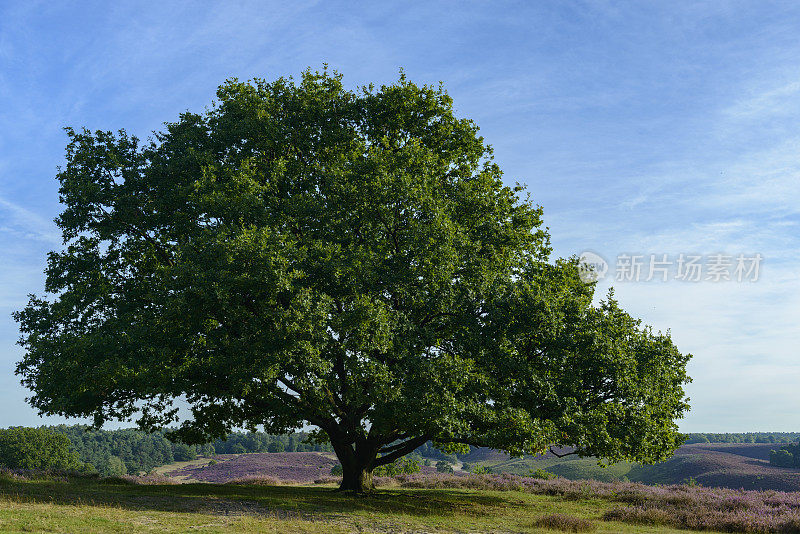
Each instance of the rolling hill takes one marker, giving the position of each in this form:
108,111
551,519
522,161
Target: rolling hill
730,465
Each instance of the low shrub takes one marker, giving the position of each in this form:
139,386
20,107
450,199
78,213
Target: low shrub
443,467
565,523
677,506
402,466
640,515
542,474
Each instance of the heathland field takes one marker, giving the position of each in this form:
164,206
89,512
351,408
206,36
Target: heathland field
411,503
705,487
727,465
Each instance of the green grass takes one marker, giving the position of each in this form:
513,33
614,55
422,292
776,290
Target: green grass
90,505
575,468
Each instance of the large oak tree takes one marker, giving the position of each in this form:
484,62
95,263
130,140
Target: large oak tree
303,254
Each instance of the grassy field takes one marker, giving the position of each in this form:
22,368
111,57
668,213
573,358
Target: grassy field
91,505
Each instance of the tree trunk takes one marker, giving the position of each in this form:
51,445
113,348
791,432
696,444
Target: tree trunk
356,467
357,480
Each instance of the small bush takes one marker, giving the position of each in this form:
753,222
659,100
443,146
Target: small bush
565,523
443,467
403,466
542,474
337,470
116,467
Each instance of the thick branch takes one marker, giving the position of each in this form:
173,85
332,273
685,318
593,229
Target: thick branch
405,448
561,455
390,448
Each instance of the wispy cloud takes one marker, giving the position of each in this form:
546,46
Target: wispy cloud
22,223
767,103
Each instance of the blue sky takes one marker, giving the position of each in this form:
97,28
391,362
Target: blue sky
640,127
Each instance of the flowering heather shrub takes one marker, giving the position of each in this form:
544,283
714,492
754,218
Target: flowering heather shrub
300,467
565,523
679,506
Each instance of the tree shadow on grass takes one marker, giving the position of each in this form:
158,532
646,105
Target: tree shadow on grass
273,501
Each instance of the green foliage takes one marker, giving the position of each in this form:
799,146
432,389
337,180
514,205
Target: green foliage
182,452
786,456
116,467
241,442
443,467
139,451
36,448
303,253
482,470
276,446
429,450
337,470
542,474
403,466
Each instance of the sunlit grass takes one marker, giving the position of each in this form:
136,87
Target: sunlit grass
91,505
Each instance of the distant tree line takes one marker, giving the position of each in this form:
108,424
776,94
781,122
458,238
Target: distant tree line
744,437
127,451
119,452
242,442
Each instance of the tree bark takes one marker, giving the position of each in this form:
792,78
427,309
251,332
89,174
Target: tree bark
357,464
357,480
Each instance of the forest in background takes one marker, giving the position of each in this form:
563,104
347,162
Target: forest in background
131,451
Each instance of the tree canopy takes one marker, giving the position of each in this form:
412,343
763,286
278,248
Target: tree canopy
304,254
36,448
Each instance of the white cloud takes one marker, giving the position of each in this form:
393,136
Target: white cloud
25,224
